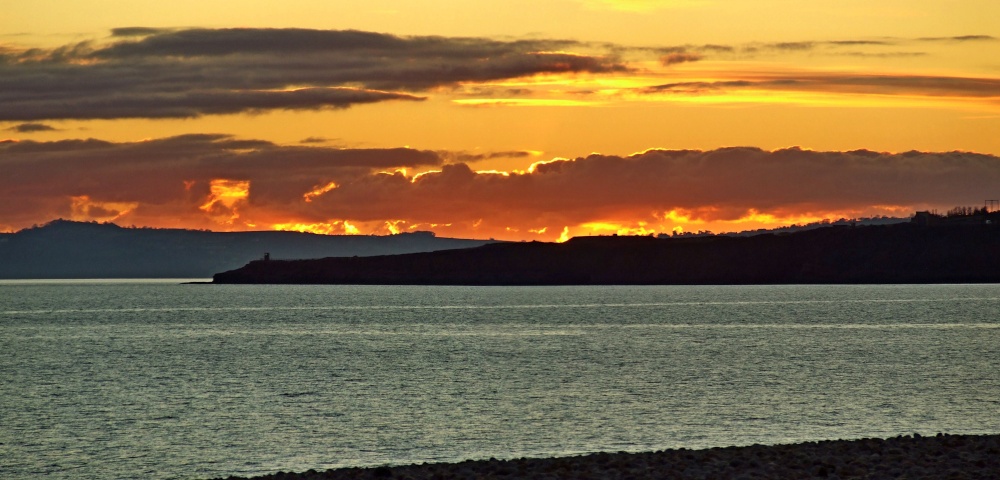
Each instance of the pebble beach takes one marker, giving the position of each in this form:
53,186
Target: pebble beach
914,456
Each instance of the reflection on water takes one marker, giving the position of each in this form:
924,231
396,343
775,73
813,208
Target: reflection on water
121,379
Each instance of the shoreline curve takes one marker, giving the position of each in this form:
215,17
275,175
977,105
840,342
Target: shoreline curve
911,456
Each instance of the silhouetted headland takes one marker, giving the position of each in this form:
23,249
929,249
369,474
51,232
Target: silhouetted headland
68,249
901,253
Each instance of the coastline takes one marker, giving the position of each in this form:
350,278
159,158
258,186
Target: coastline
911,456
896,254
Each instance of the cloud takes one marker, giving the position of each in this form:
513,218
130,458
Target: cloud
155,73
717,48
722,184
194,103
844,83
136,31
875,48
859,42
884,54
315,140
172,176
222,182
793,45
142,72
960,38
469,157
31,128
675,58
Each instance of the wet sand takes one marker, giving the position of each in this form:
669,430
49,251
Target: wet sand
910,457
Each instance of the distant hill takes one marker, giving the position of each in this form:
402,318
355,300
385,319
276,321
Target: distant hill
901,253
67,249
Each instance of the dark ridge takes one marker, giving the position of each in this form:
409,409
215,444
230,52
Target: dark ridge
902,253
67,249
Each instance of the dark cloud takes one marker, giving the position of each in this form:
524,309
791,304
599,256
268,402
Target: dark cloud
722,184
158,73
690,88
717,48
314,140
883,54
814,46
860,42
811,46
182,73
171,180
519,91
675,58
468,157
846,83
191,104
672,50
793,45
31,128
171,176
136,31
749,49
960,38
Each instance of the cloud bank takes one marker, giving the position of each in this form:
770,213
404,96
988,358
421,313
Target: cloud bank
221,182
154,73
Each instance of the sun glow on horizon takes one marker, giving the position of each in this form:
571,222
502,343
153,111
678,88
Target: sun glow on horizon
338,227
280,120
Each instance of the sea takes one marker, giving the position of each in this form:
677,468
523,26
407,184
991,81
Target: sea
162,379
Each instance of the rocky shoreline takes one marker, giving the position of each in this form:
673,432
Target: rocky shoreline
911,457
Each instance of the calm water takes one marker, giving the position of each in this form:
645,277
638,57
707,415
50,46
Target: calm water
161,380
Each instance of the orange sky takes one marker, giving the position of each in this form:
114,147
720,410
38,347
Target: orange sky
513,120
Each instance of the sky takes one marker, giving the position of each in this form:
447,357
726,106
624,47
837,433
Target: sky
507,119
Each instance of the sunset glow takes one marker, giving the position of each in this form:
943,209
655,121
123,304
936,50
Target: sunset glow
320,190
225,197
85,208
342,227
587,117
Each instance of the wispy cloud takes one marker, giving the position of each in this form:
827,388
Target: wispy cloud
137,31
31,128
675,58
960,38
836,82
876,47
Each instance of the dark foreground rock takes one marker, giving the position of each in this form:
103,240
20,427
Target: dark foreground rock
903,253
909,457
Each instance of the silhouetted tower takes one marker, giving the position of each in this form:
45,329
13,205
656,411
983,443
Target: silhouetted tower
267,256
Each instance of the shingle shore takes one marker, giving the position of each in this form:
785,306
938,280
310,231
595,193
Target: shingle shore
911,457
